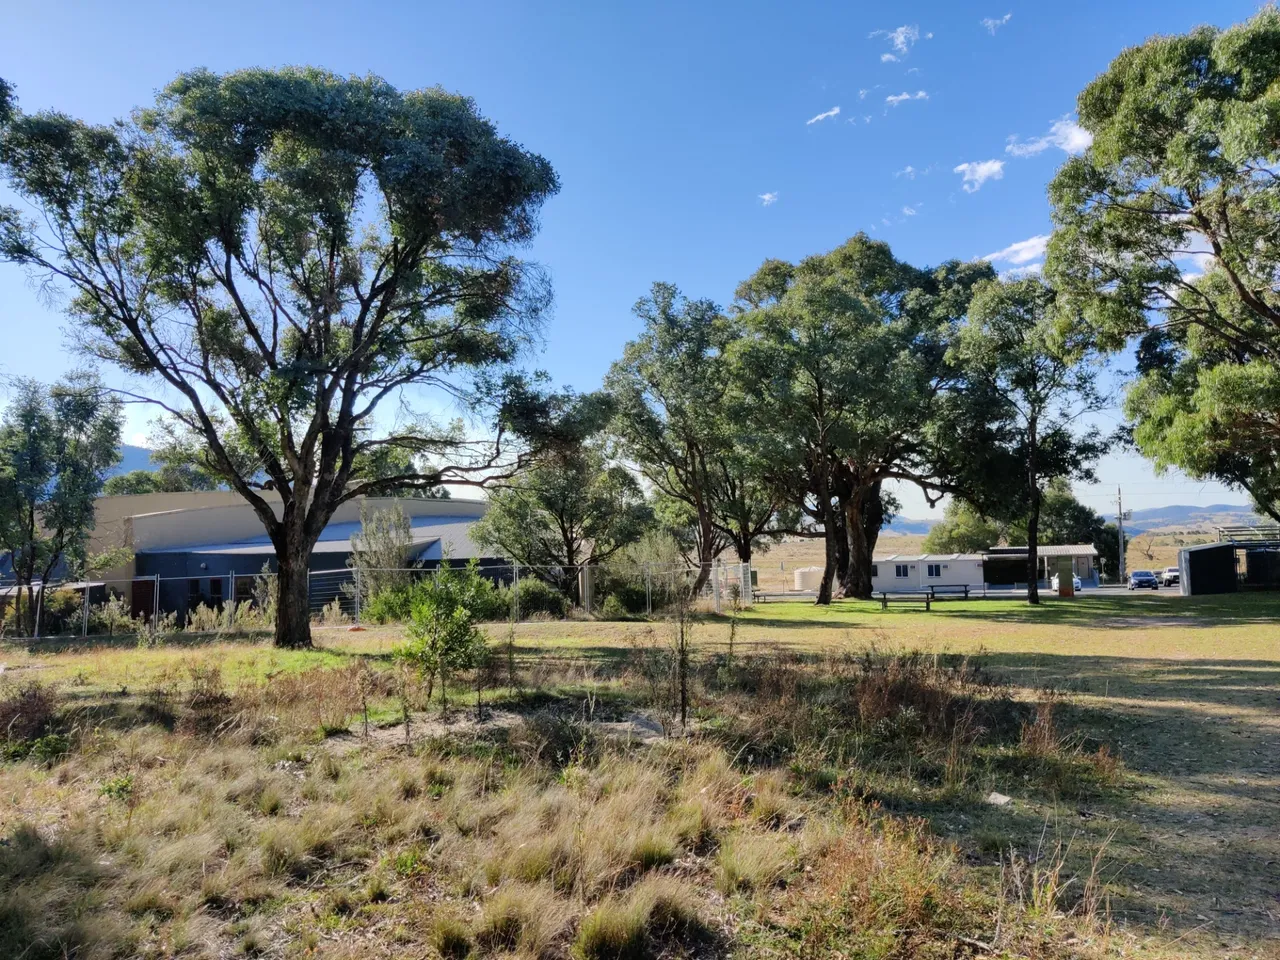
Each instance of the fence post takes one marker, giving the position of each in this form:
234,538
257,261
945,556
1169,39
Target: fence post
515,589
648,591
745,588
84,613
715,581
39,610
155,606
231,599
357,594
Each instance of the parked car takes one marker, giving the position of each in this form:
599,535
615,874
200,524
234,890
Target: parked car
1075,582
1171,577
1142,580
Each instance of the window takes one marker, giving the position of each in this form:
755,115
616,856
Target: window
215,589
193,589
901,571
875,571
935,570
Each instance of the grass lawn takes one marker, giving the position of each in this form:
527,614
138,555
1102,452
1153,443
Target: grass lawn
1137,735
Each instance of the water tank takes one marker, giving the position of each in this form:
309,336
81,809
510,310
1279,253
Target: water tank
808,578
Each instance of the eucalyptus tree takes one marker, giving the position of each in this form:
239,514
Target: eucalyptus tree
846,361
669,392
567,510
1173,211
285,257
1047,386
56,446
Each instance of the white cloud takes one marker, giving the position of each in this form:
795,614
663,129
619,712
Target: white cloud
888,58
1017,273
894,99
1065,134
995,23
767,199
833,112
908,171
979,172
1022,252
901,39
908,211
914,70
138,440
862,94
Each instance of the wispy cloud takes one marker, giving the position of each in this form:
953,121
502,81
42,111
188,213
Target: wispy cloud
1065,134
862,94
908,211
768,199
888,58
901,40
894,99
833,112
1021,252
979,172
908,171
995,23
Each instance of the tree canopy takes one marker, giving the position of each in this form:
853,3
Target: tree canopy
274,254
170,478
572,509
1044,384
845,362
1174,209
56,446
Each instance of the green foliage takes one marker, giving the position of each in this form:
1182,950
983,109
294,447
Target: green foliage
348,240
540,599
962,529
1043,382
170,478
56,445
848,384
443,637
673,418
572,509
1174,209
379,553
487,601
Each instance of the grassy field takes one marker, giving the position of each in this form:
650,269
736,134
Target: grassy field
829,796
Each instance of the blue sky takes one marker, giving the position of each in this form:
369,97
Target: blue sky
693,140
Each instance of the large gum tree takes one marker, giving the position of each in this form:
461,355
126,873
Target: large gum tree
283,258
1168,229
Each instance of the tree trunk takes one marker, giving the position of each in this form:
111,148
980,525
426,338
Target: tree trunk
842,547
706,543
293,612
831,525
863,517
1033,514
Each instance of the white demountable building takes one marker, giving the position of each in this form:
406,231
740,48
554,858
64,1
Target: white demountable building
899,573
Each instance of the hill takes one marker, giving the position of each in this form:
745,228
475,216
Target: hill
133,458
1181,517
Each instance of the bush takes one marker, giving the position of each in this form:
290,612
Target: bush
486,601
613,608
537,597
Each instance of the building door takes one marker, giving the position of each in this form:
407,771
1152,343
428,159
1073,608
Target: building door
143,602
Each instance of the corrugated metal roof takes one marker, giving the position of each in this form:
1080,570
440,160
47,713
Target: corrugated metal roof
1048,550
927,557
430,536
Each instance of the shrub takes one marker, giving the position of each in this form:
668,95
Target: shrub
27,712
613,608
537,597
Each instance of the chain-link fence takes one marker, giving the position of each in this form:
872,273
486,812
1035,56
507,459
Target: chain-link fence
244,602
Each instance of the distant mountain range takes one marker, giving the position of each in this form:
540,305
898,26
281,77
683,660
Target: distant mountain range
1177,517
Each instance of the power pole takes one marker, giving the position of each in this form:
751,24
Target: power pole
1120,525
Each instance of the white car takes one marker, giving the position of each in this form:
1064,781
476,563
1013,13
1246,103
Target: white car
1075,582
1171,577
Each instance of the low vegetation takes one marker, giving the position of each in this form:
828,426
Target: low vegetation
310,810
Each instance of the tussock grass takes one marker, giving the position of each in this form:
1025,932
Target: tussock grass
249,828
